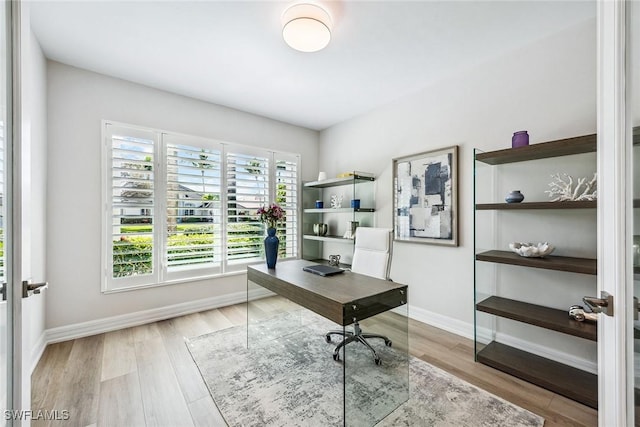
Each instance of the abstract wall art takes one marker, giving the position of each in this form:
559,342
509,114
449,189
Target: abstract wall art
425,195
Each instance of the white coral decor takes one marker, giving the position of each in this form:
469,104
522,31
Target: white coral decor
536,250
562,190
336,201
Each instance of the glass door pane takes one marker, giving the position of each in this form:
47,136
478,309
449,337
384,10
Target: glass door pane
633,104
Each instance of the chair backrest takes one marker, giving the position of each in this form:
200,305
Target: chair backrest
372,255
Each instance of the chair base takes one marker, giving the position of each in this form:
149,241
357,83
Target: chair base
358,336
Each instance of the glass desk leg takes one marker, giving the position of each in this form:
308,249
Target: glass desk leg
376,373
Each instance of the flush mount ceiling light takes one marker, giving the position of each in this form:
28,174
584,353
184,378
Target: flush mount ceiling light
306,27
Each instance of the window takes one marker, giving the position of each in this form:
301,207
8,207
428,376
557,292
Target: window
182,208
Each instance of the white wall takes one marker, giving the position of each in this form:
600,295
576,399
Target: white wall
77,101
548,88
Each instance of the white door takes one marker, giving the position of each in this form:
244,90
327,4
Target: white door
618,165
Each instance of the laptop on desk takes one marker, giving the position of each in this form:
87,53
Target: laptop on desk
323,270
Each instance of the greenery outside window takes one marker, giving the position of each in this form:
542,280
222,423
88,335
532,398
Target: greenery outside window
183,208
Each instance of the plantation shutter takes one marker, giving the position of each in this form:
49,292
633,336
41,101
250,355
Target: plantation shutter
286,195
247,190
193,195
132,203
181,208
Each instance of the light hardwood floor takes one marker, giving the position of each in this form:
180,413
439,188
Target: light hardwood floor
144,376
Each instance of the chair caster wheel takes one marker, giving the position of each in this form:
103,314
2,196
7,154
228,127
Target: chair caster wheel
378,361
327,338
387,343
336,357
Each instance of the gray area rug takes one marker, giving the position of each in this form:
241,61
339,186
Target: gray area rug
288,378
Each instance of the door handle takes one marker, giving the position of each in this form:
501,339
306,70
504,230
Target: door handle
604,304
32,287
3,290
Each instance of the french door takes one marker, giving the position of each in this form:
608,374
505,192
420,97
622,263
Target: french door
619,210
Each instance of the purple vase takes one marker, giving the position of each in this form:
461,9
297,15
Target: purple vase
520,139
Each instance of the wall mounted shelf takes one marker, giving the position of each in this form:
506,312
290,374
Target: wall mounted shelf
573,383
559,263
543,150
357,186
587,204
336,239
338,210
334,182
544,317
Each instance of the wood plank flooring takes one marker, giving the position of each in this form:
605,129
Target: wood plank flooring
144,376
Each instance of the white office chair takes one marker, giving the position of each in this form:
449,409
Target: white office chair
372,257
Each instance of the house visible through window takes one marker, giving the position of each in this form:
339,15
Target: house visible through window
182,207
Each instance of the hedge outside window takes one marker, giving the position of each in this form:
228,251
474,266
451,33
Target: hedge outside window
181,207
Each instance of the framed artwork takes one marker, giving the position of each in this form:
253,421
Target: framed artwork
425,197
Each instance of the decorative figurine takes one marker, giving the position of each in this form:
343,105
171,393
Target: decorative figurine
576,312
351,229
334,260
563,190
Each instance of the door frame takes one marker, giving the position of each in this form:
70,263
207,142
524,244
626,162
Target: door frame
615,263
13,223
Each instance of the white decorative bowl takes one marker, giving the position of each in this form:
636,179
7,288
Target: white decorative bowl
534,250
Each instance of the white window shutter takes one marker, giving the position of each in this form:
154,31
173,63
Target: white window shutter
247,190
194,214
132,202
287,196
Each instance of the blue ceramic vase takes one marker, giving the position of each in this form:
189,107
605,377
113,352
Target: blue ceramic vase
271,243
514,197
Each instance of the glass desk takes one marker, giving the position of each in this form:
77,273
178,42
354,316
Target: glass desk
353,390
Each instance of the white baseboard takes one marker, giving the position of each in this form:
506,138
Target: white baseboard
440,321
93,327
38,350
465,330
449,324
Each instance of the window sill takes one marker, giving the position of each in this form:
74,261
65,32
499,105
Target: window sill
174,282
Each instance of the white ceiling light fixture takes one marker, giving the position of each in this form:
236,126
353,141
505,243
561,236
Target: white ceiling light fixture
306,27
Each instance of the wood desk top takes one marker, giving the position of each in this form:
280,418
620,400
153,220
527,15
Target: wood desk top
342,298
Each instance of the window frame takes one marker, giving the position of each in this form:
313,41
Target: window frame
161,274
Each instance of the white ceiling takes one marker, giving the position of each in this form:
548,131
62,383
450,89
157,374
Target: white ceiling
231,52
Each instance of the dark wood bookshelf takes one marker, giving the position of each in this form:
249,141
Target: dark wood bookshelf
537,315
583,204
333,182
559,263
543,150
565,380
